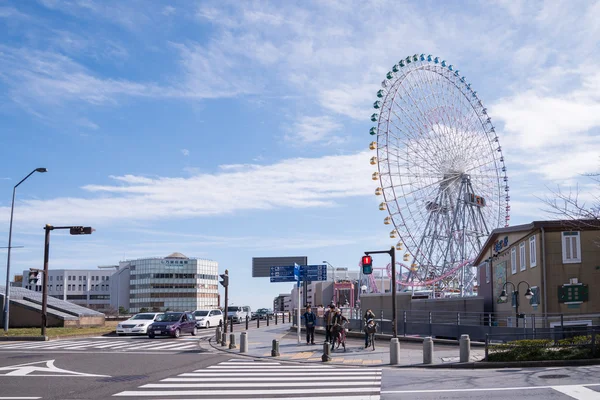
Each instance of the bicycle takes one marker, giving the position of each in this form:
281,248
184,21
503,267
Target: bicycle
339,336
370,330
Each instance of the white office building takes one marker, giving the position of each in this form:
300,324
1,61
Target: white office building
175,282
85,287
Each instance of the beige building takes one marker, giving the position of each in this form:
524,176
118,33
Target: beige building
558,260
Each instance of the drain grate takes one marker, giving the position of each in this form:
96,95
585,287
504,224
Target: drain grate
124,378
555,376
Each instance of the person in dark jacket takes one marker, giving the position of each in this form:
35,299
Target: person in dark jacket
369,323
310,320
328,322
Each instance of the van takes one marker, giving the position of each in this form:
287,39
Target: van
239,313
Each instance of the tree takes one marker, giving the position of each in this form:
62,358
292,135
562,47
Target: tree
143,309
568,206
122,310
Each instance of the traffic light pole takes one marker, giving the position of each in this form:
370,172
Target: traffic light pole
225,284
392,253
47,228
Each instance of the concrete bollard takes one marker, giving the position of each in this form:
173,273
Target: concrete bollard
232,341
218,334
224,339
326,352
394,351
275,348
465,348
428,350
243,342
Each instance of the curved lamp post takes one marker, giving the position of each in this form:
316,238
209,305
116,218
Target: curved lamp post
12,209
528,295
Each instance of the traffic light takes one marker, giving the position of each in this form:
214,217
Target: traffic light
81,230
34,276
367,265
225,277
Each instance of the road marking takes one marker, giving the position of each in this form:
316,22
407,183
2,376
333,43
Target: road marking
246,384
31,369
260,378
480,389
235,392
19,398
578,392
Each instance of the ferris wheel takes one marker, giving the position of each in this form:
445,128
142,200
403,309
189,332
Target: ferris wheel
441,171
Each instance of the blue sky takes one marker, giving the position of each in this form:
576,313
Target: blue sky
227,130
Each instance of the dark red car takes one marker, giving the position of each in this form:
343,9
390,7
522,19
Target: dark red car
173,324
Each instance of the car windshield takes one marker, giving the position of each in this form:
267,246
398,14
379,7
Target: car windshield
233,309
174,317
200,313
144,316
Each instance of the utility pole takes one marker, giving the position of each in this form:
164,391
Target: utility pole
225,284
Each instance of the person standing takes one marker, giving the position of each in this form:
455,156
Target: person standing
329,322
369,325
310,320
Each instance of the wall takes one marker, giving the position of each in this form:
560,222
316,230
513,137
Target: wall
587,272
119,288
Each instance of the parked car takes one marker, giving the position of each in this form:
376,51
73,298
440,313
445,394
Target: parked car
173,324
264,313
138,324
208,318
239,313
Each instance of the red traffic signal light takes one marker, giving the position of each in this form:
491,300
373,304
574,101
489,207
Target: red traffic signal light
367,265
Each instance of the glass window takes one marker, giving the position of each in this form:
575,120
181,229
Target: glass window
532,252
522,263
513,260
571,247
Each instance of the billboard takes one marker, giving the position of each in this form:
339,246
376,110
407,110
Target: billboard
261,266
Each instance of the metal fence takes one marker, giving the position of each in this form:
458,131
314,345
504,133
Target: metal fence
554,344
451,325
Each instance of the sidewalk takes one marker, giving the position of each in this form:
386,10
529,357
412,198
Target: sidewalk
411,354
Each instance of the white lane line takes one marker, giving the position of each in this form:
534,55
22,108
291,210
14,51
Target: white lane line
578,392
297,373
19,398
262,379
254,392
257,384
171,346
479,389
349,397
298,369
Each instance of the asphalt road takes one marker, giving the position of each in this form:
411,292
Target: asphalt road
502,384
58,375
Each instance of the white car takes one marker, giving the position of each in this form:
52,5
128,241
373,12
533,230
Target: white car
138,324
208,318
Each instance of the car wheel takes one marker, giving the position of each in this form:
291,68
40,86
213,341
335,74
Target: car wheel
207,325
195,331
177,333
151,335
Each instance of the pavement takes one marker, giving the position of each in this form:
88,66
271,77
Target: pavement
411,353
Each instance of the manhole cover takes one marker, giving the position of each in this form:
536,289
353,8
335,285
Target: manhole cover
556,376
124,378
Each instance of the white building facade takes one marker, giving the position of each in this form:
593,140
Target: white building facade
174,283
85,287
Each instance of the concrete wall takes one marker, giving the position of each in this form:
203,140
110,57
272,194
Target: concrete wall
25,317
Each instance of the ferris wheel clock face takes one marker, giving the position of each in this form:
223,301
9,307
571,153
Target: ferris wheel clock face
441,170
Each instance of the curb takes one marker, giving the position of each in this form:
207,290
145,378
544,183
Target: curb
412,339
516,364
24,338
47,338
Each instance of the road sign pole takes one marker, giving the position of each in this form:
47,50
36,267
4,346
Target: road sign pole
297,274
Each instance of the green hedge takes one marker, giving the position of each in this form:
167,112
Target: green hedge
575,348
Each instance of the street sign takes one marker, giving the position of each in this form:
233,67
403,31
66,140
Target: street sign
297,272
287,273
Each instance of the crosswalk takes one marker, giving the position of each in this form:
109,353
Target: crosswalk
144,345
241,379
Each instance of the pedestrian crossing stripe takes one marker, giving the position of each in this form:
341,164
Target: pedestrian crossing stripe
240,379
107,344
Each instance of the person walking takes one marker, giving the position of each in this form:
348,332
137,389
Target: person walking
310,320
369,323
329,322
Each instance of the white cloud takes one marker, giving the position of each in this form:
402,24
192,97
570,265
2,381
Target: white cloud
185,152
316,129
292,183
169,10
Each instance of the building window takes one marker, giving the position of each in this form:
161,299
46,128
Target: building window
50,278
532,252
513,260
80,277
571,247
488,271
69,287
79,288
522,262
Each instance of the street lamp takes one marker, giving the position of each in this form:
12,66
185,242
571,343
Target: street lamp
332,268
12,209
528,295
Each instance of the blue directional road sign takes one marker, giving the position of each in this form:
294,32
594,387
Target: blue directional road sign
287,273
